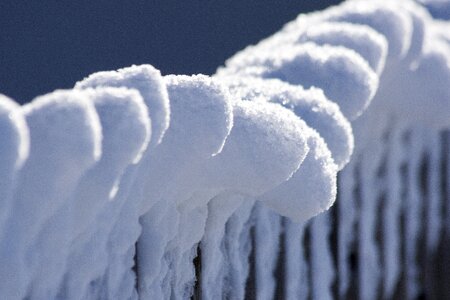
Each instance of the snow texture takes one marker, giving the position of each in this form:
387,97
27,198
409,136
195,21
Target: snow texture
343,75
310,105
135,185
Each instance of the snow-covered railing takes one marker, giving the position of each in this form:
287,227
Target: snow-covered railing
136,185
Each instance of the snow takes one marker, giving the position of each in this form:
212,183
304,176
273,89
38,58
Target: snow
148,81
126,133
13,152
202,119
310,105
343,75
387,18
364,40
65,137
113,188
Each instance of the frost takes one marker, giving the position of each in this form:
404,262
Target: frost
134,185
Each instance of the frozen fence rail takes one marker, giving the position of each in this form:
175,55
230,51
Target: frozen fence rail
134,185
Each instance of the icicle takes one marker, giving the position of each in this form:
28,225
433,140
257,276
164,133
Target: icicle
446,153
369,256
412,210
267,229
321,264
182,250
347,219
296,266
238,247
391,213
434,218
220,209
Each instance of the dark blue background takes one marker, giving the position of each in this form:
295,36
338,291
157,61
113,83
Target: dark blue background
50,44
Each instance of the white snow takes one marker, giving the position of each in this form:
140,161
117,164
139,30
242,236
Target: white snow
112,189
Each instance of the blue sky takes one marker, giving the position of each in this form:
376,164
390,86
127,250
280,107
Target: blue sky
46,45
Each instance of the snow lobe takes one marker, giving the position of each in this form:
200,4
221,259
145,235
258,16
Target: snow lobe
386,18
312,107
64,142
147,80
309,105
256,129
342,74
362,39
202,119
280,139
311,190
125,229
126,133
230,163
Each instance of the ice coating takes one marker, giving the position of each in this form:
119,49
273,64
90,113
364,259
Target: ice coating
148,81
343,75
126,132
310,105
65,140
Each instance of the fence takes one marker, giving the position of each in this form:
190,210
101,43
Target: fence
136,185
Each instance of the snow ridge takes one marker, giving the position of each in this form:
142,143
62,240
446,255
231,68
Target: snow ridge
134,185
